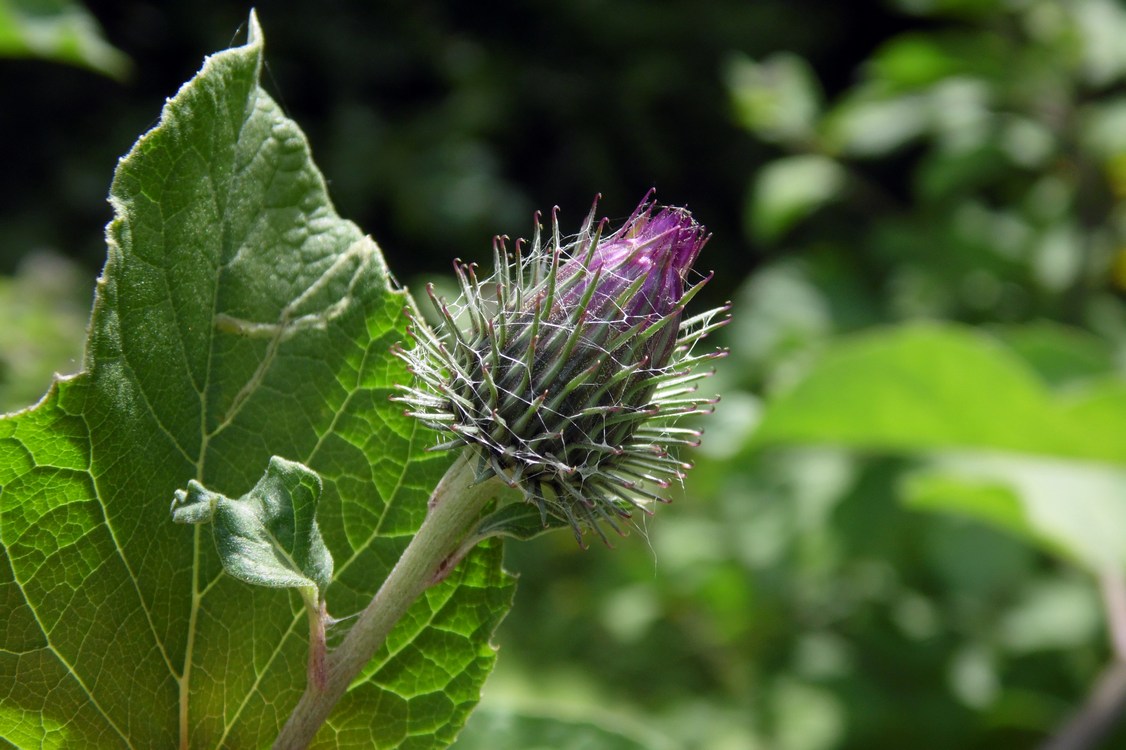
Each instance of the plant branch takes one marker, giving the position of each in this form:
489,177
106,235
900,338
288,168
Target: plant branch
453,510
1106,703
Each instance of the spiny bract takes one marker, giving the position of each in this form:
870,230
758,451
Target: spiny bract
574,365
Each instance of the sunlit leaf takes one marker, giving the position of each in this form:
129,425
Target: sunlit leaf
915,60
1059,354
930,386
1102,128
237,318
789,189
1072,509
1100,26
871,123
778,99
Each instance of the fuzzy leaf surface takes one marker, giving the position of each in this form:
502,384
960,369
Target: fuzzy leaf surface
269,536
237,318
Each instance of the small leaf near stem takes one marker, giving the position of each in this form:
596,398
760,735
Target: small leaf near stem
453,513
269,536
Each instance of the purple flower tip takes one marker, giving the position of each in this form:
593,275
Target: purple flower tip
659,244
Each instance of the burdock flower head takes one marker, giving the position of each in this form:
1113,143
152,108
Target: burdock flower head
573,366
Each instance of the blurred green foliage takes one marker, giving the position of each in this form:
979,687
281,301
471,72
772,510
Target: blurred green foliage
44,308
890,535
493,727
57,30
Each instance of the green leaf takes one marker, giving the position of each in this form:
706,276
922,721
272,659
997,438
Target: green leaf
1072,509
912,60
517,729
871,123
58,30
930,386
1060,355
269,536
789,189
237,318
1053,613
915,60
1001,446
778,99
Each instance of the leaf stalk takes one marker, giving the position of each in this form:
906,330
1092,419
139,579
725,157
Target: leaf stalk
452,515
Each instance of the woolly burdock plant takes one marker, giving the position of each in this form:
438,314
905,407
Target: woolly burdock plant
573,365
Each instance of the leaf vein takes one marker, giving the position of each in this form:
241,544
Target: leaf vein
70,669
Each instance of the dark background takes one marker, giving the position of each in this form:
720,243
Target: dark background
439,125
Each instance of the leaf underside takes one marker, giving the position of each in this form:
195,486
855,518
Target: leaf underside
237,318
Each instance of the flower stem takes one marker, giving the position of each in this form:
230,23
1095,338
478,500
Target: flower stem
454,509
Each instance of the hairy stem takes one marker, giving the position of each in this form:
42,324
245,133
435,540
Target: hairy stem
1106,704
454,508
317,615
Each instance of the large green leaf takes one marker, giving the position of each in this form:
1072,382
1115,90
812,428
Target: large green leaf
930,386
238,318
1001,445
1074,509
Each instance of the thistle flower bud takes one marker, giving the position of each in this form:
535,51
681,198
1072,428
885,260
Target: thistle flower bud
575,364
